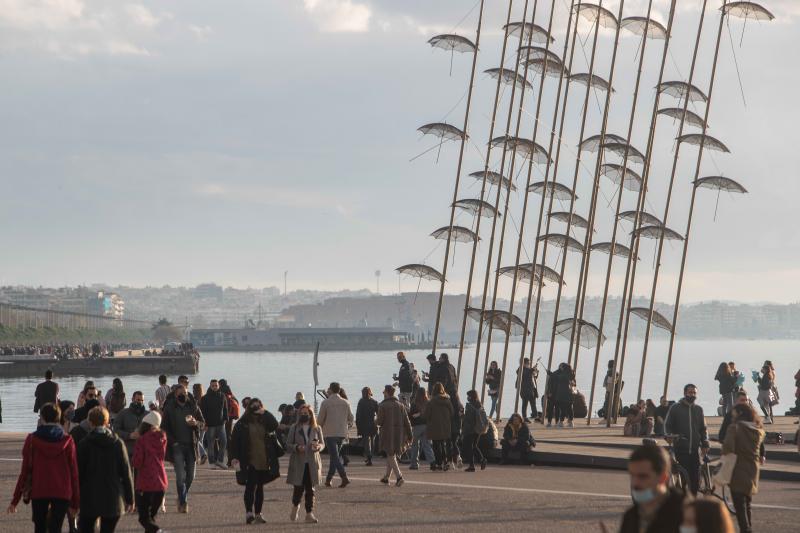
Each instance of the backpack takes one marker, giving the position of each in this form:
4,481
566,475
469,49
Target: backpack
483,422
233,407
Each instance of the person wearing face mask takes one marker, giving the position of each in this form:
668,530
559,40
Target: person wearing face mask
686,420
180,421
656,509
128,421
253,451
81,418
304,440
706,515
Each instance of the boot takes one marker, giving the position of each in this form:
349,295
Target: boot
328,481
344,483
310,518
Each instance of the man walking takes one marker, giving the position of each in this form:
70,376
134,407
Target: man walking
395,433
162,391
686,420
180,422
126,423
656,509
46,391
214,407
335,417
404,380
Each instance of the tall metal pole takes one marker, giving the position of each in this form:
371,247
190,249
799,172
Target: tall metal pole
630,270
458,177
667,205
691,203
620,191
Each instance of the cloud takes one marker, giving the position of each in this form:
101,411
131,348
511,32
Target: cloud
143,16
339,16
277,196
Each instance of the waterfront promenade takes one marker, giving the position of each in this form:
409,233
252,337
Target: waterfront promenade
501,498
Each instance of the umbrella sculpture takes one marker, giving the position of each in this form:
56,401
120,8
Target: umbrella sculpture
620,250
637,25
494,178
556,190
677,113
532,32
559,240
645,218
659,320
614,172
680,89
509,77
587,333
592,144
592,11
572,219
707,141
475,207
459,234
452,43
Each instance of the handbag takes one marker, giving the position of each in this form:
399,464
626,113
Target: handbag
276,448
725,473
241,477
774,397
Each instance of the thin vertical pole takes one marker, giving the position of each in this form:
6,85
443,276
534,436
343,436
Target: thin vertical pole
458,177
691,203
667,206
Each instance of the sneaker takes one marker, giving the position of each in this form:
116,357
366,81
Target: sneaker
203,459
328,482
399,482
385,480
311,519
249,518
184,509
413,467
369,462
483,464
571,424
561,424
470,469
294,512
220,465
549,424
260,519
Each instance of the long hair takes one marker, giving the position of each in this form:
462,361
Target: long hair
117,386
723,371
249,411
312,418
366,392
710,515
197,391
438,389
421,399
745,413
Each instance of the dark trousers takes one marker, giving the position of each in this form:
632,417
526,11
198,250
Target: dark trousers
528,398
253,492
741,502
691,462
521,447
107,523
440,452
306,487
550,409
368,443
471,449
148,505
564,410
57,510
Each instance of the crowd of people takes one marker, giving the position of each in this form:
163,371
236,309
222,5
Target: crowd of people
93,350
103,455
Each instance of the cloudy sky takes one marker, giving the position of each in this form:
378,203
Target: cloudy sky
181,142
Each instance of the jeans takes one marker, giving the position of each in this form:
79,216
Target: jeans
420,440
253,492
368,443
471,449
334,446
184,463
201,444
216,433
741,502
493,397
147,505
691,462
306,488
107,523
57,509
528,398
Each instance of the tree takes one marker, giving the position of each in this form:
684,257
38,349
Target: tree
164,331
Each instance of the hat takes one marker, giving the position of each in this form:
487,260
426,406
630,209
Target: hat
153,418
389,389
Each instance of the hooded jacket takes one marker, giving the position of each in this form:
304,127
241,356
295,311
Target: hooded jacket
687,420
105,474
745,440
148,460
439,417
48,457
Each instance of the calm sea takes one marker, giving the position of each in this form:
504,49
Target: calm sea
275,377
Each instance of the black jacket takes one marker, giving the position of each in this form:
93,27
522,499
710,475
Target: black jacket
404,377
471,418
667,520
214,406
365,417
438,374
46,392
523,435
173,423
494,378
105,474
526,385
240,440
688,421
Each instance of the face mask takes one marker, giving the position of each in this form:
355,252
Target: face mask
139,407
687,529
643,496
304,419
690,399
182,398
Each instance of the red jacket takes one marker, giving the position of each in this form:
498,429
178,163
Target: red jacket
148,460
48,456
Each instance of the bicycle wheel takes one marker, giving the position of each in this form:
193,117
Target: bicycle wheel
725,496
679,479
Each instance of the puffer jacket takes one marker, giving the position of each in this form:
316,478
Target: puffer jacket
687,420
148,460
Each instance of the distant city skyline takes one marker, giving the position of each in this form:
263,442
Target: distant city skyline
150,143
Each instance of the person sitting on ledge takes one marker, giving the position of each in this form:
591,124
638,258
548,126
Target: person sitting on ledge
516,438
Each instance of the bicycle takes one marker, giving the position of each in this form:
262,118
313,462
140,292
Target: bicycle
707,488
679,476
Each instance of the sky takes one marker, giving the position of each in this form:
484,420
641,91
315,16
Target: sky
170,142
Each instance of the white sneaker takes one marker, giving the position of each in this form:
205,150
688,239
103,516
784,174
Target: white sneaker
311,519
571,424
221,465
293,514
400,482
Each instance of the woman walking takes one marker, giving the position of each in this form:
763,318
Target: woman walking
395,432
744,438
439,416
493,380
766,396
49,474
366,410
727,384
418,429
305,441
475,422
150,482
253,451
